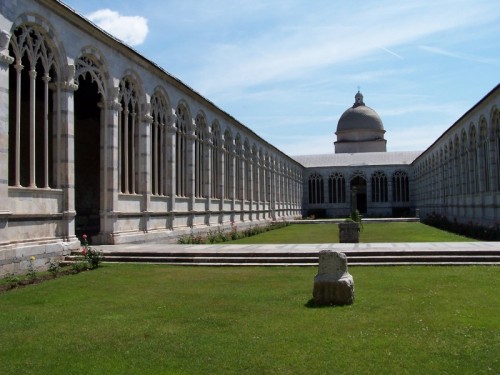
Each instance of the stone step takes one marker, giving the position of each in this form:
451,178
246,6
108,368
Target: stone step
298,254
366,257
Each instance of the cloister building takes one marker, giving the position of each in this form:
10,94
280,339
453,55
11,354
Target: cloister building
97,139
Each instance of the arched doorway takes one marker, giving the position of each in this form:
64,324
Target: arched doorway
358,194
87,157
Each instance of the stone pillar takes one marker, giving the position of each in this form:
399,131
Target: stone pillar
191,169
171,177
249,190
272,189
110,164
5,61
145,171
333,285
256,191
65,102
207,185
222,185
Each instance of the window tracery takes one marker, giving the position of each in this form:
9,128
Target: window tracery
336,188
158,144
32,112
181,150
400,187
201,162
315,188
128,136
379,187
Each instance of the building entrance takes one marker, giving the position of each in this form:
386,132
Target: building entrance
358,194
87,158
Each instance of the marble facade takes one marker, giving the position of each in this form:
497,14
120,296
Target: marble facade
96,139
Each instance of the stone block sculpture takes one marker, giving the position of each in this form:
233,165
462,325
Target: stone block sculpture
333,285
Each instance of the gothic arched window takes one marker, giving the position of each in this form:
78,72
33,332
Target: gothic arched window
379,187
248,170
216,152
238,176
484,155
128,129
228,165
32,104
473,161
464,162
400,187
315,189
158,144
200,160
336,188
496,128
181,152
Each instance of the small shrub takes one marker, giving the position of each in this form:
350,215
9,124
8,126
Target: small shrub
31,269
54,267
356,216
12,279
219,235
79,265
91,254
470,229
184,239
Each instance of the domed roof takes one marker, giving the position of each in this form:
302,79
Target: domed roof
360,117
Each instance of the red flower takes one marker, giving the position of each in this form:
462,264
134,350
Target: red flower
84,237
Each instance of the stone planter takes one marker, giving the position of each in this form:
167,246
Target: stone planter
349,232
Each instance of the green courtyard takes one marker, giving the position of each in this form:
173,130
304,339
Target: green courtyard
158,319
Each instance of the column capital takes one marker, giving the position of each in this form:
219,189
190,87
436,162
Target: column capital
148,119
4,48
171,129
5,59
110,104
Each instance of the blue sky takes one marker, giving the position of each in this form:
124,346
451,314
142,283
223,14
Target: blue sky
289,69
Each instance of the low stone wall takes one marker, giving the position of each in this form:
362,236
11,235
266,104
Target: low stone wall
15,259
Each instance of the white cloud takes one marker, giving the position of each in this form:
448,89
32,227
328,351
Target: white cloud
443,52
294,50
131,29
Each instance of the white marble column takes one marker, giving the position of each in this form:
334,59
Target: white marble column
5,61
65,108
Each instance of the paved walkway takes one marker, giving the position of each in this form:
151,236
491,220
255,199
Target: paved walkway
302,248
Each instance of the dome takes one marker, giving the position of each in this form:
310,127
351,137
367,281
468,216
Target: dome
360,117
360,129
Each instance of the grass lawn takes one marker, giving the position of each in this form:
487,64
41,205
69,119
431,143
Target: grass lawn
145,319
372,232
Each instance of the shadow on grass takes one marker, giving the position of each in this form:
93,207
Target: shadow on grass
313,305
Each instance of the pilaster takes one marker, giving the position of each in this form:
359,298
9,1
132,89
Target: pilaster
5,61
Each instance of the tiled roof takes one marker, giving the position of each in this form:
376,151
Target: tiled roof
358,159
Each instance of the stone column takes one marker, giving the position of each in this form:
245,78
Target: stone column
110,184
65,110
250,174
207,186
222,179
171,177
272,189
256,193
5,61
145,165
